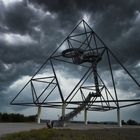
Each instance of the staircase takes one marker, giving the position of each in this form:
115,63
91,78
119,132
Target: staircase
76,111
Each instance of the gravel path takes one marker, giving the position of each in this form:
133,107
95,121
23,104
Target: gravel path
79,126
6,128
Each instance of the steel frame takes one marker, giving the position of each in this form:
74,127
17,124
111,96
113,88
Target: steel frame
105,103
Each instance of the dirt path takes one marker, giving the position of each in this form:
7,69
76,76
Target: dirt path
6,128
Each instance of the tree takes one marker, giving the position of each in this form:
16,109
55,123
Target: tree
132,122
4,117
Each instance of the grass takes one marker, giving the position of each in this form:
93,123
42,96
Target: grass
67,134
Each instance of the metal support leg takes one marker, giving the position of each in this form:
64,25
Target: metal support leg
85,116
38,114
118,117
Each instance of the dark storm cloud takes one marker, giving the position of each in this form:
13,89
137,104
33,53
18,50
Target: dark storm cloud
113,20
30,30
16,17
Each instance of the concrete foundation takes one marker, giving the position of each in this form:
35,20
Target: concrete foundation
38,114
119,117
63,109
85,116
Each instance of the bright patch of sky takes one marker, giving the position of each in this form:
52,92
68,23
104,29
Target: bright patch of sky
16,39
137,19
17,85
8,2
39,11
138,65
86,17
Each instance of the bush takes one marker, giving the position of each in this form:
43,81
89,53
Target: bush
132,122
4,117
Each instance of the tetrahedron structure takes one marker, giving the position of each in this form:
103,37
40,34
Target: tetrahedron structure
42,88
84,56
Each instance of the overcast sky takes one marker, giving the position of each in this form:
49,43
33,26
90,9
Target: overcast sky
31,29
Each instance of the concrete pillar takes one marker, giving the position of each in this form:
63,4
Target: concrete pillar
85,116
118,117
63,114
38,114
63,109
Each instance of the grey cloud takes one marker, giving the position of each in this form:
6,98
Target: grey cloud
112,20
49,21
18,18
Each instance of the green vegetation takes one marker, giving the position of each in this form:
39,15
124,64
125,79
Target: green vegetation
130,122
66,134
4,117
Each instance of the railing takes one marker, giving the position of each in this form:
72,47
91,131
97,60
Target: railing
76,111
